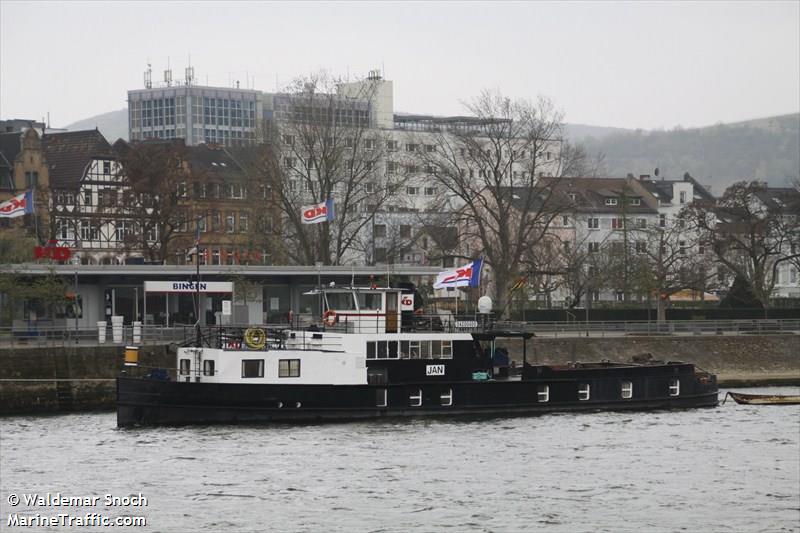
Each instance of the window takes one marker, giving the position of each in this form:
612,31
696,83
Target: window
674,387
641,247
617,223
682,247
242,222
230,223
627,390
184,366
430,191
446,398
415,399
543,393
369,187
683,197
567,247
391,146
288,139
405,232
412,191
31,179
252,368
208,367
380,230
430,148
611,201
289,368
106,167
583,392
636,201
369,144
594,247
662,221
182,189
411,147
369,301
641,223
564,220
381,398
594,223
391,167
288,162
701,249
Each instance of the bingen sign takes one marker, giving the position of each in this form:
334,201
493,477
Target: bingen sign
188,286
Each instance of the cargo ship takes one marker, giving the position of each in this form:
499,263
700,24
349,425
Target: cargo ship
375,354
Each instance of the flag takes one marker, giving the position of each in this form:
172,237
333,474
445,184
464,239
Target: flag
467,276
22,204
314,214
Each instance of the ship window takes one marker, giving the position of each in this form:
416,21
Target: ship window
370,350
381,349
185,366
674,387
447,398
413,349
416,399
392,349
369,301
583,391
380,398
425,349
627,390
436,349
208,367
543,393
252,368
404,349
447,349
289,368
341,301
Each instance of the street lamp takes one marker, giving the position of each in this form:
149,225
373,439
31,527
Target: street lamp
76,261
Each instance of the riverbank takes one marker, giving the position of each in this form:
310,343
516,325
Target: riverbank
82,378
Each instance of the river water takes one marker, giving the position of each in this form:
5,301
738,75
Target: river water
731,468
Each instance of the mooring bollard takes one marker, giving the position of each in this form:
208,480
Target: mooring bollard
137,332
116,328
101,332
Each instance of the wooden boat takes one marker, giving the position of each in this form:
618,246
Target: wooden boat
763,399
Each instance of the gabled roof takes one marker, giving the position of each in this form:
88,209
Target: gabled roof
213,161
70,153
590,194
10,146
784,200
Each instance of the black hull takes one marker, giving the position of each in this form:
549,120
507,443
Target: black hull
144,402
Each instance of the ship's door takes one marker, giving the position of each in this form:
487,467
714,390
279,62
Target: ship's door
391,312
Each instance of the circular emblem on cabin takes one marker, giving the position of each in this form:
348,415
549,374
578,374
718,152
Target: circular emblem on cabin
255,338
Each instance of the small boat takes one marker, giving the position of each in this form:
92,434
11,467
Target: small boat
763,399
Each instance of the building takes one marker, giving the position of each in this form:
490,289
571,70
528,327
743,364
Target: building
197,114
23,166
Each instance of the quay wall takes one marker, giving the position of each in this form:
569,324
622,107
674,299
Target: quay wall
81,378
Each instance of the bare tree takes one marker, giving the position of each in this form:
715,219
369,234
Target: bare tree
491,164
159,183
666,260
325,147
750,235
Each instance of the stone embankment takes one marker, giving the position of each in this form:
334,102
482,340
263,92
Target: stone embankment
46,380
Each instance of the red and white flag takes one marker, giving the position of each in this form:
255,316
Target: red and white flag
467,276
21,204
314,214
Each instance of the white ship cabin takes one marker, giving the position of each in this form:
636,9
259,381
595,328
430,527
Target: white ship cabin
359,324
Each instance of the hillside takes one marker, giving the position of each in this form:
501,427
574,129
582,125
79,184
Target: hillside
113,125
766,149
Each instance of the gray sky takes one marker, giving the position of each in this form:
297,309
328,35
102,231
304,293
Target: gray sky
627,64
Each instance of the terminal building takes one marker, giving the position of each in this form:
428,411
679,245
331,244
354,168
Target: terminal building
258,294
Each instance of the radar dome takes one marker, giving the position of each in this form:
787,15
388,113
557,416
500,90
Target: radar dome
484,305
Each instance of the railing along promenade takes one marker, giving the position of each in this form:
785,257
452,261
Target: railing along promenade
160,335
